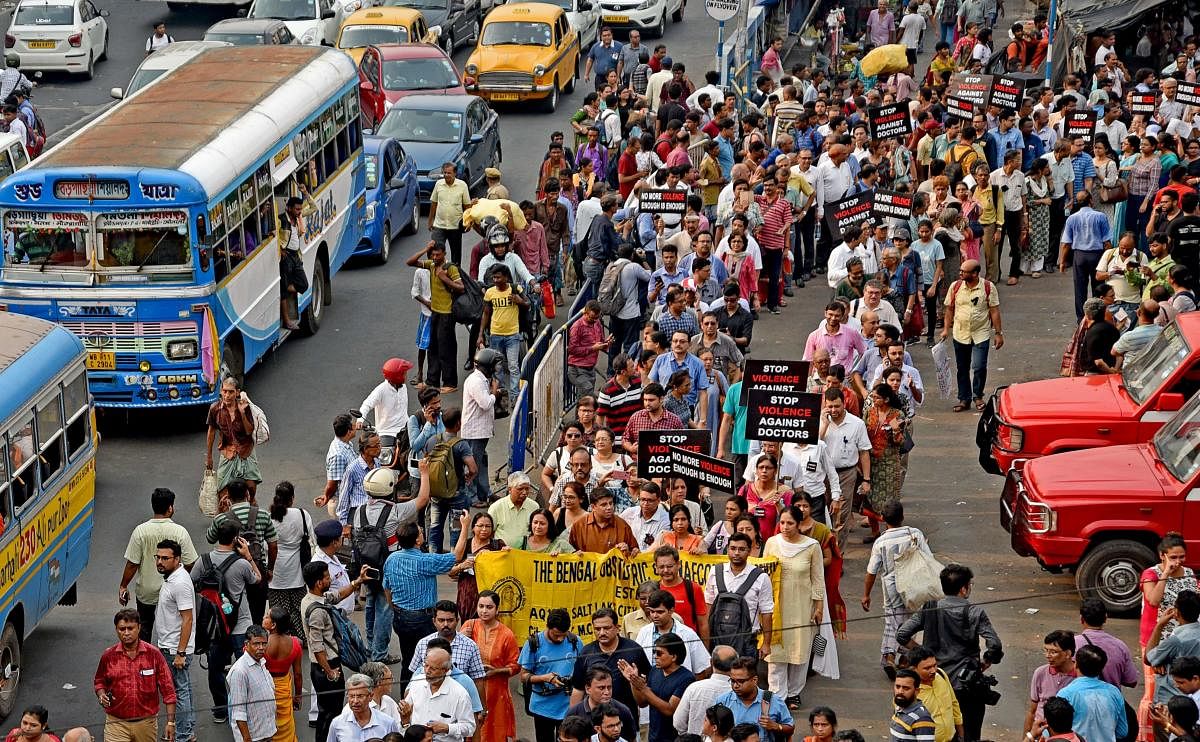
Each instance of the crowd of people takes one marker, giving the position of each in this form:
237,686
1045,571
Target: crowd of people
677,296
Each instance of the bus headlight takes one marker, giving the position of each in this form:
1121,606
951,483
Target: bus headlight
182,350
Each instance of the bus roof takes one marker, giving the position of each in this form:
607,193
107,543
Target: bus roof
214,116
32,351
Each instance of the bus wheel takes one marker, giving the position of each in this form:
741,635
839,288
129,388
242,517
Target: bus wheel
10,657
310,320
233,361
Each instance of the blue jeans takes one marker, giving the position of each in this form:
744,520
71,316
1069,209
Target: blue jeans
948,34
481,485
510,346
439,511
971,363
378,615
594,270
185,716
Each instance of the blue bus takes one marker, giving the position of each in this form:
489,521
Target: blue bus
151,232
47,480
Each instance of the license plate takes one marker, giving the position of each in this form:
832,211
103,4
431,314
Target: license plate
505,96
99,360
42,44
616,19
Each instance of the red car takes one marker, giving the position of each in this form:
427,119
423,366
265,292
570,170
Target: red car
388,72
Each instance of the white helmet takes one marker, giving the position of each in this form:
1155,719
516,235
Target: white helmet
380,483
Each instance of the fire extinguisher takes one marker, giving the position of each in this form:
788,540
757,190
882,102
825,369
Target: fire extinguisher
547,300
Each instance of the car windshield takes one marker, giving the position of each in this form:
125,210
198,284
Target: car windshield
356,36
142,78
372,171
409,125
516,32
1145,373
285,10
45,15
417,4
1177,443
419,74
567,5
237,39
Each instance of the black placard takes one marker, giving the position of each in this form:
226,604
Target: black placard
1144,103
847,212
703,471
782,376
654,449
783,416
662,201
889,204
1188,93
960,107
889,121
972,87
1081,123
1007,92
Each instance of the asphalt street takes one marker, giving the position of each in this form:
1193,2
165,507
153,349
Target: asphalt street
306,382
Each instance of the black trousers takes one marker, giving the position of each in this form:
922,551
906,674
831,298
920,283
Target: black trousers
824,247
409,626
773,267
256,599
545,729
973,709
452,238
443,351
331,695
146,612
1011,235
803,259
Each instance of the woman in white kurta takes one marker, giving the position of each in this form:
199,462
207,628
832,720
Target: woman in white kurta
800,608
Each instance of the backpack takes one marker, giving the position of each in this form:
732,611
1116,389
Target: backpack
610,297
987,290
442,475
601,124
352,650
766,709
213,625
729,617
250,533
958,166
467,307
262,429
370,541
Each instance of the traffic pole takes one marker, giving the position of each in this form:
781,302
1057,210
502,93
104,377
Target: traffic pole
721,65
1050,22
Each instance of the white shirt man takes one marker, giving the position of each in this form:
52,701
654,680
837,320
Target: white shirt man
910,380
836,269
789,463
588,210
871,301
759,599
700,695
449,705
175,599
479,408
816,468
390,407
911,26
835,181
696,661
646,530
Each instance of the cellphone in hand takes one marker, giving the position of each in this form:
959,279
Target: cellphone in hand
619,474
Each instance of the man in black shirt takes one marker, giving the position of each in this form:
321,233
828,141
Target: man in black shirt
608,649
1184,234
734,320
1095,354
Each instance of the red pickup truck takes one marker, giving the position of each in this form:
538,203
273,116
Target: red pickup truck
1037,418
1100,512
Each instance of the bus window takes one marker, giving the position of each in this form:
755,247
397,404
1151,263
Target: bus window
235,248
5,508
75,404
50,437
21,459
220,254
19,157
132,248
342,141
331,158
266,218
251,229
52,248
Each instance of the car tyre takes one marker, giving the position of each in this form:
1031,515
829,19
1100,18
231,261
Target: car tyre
10,656
448,46
551,103
385,244
1112,572
570,88
90,72
677,16
310,318
415,223
104,51
661,29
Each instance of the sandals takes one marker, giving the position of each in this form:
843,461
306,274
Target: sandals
979,405
960,407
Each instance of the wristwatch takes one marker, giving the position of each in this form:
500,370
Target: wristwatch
181,654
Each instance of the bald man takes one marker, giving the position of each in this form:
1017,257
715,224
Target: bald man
972,319
697,697
1134,342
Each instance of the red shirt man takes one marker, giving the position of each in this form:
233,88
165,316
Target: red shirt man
689,595
130,678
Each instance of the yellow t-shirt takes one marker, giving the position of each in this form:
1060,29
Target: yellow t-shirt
440,297
505,319
972,315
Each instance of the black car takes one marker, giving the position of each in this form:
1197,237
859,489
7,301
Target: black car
250,32
457,22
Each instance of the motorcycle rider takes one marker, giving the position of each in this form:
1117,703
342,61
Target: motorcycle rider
389,404
499,242
11,77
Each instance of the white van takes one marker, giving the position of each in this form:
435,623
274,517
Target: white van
161,62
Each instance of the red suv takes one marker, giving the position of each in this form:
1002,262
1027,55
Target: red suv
1101,512
1036,418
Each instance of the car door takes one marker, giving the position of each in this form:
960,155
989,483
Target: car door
491,134
563,42
327,21
589,27
86,22
396,197
370,85
479,149
98,27
406,170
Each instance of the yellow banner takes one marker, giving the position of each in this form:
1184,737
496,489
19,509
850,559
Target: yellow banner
531,584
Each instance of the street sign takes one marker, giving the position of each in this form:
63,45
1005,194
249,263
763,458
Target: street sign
722,10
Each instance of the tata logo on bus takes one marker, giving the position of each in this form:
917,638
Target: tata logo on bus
157,192
97,310
92,190
28,192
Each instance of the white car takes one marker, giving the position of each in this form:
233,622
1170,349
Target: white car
648,16
163,61
60,35
584,17
312,22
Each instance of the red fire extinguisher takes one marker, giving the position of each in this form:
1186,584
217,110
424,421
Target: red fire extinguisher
547,300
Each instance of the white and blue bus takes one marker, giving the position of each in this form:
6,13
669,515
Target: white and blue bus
151,232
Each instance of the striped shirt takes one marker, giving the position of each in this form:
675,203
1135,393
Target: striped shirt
640,421
616,404
251,697
464,654
351,493
912,724
240,512
337,459
411,576
776,217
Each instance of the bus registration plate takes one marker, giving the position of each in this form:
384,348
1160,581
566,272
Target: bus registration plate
99,360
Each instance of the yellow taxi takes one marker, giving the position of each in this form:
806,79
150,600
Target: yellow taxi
526,51
372,26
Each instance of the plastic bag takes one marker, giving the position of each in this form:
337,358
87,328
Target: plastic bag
941,365
885,60
917,576
208,493
486,207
